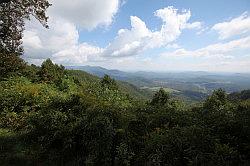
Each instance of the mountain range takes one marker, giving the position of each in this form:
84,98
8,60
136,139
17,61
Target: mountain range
189,85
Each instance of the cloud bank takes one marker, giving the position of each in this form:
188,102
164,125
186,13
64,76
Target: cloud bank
60,41
126,50
86,14
236,26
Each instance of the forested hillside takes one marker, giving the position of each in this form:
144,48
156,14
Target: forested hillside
54,116
191,86
126,87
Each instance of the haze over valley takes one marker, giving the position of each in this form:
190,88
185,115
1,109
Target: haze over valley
189,85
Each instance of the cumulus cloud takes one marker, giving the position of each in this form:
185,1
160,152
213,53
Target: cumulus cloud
237,26
87,14
78,54
181,63
128,42
41,43
173,24
230,56
139,38
60,41
59,44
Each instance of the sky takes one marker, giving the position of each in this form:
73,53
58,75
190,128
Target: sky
143,35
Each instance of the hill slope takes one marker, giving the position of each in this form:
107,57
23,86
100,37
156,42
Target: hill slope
191,86
125,87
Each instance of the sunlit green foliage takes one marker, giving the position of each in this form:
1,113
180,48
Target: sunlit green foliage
53,116
50,72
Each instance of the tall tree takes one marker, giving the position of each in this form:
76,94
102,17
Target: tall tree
13,14
10,64
51,72
160,98
109,83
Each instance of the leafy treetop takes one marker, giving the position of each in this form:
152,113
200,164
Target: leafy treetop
109,83
51,72
160,98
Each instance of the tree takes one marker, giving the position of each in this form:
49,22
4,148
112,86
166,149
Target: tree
9,64
160,98
109,83
12,16
217,99
51,72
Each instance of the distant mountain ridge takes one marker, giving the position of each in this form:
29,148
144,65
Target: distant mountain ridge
194,85
98,71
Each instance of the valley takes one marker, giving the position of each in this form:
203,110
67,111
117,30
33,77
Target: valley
190,86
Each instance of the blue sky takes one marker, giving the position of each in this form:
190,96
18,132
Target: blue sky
210,12
151,35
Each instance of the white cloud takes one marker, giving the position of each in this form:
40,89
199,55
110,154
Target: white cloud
77,55
230,56
32,40
59,44
128,42
174,46
184,63
236,26
194,25
219,49
183,60
87,14
139,37
60,41
173,24
41,43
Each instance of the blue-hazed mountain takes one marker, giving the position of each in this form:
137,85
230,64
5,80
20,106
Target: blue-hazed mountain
130,77
99,71
191,85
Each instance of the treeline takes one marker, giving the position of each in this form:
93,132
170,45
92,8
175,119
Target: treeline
53,116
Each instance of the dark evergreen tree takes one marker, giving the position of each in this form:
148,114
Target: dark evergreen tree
109,83
50,72
160,98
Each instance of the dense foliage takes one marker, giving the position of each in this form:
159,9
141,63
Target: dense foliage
54,116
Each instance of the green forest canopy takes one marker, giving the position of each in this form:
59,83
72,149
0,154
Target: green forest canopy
53,116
